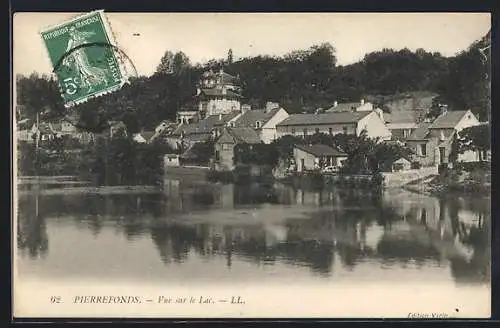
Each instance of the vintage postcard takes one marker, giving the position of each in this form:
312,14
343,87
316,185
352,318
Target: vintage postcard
252,165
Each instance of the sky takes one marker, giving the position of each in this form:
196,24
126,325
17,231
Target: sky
145,37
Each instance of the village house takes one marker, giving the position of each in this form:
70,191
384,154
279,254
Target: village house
171,159
333,123
261,120
432,143
44,131
166,126
186,135
187,117
144,136
224,145
401,123
310,157
218,93
401,164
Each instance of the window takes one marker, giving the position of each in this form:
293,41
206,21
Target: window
330,131
316,130
423,149
344,129
305,132
257,124
293,131
217,155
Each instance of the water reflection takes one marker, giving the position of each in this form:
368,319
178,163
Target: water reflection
318,230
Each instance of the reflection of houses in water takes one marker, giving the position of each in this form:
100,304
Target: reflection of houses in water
317,198
345,235
436,224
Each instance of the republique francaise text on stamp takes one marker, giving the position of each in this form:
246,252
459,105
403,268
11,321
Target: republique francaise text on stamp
84,57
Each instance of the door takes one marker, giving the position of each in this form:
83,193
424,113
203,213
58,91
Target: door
442,155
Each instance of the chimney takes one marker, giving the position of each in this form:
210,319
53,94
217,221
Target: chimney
224,91
362,101
220,117
335,103
380,114
444,108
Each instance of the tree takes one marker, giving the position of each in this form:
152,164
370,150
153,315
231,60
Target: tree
474,138
181,63
166,65
285,144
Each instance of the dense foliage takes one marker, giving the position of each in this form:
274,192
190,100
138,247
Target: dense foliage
300,81
475,138
117,161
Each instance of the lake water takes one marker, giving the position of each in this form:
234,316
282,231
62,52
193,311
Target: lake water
198,234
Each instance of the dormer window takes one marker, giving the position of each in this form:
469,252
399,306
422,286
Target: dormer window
232,124
258,124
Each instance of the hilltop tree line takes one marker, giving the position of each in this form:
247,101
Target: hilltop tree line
300,81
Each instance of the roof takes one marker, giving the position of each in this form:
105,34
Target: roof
218,120
403,116
192,128
56,126
321,150
420,133
45,127
249,118
325,118
200,137
448,120
206,125
240,135
147,134
226,77
218,92
402,160
344,107
395,126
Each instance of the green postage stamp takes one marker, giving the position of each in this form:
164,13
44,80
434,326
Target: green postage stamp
85,57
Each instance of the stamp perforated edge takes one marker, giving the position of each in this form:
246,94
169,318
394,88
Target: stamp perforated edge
125,74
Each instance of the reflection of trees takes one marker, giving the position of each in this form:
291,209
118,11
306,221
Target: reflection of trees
477,268
174,241
405,249
32,230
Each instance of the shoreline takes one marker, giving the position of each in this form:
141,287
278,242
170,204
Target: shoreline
100,190
440,190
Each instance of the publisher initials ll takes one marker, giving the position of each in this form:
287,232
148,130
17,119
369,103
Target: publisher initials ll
236,300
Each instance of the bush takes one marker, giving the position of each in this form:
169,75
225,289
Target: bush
472,166
220,176
416,165
443,168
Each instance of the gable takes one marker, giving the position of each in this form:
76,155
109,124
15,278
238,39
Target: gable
277,118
